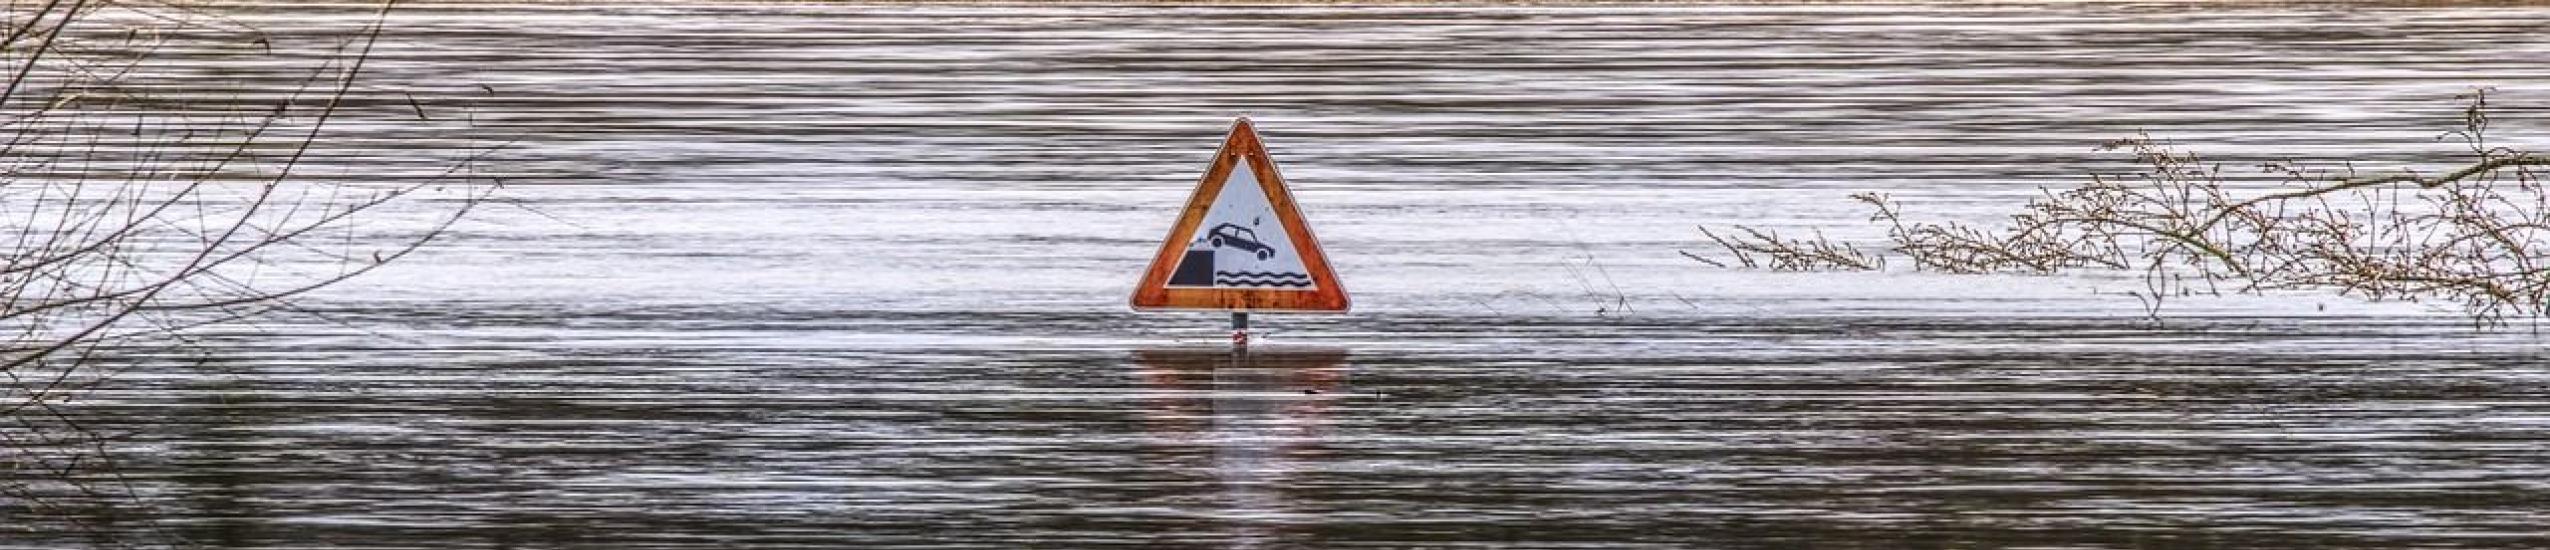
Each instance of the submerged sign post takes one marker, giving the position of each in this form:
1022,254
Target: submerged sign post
1241,245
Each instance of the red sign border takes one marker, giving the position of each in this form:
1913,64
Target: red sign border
1242,145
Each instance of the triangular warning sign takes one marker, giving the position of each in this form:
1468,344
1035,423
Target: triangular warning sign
1241,243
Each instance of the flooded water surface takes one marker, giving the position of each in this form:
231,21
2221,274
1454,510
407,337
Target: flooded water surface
855,276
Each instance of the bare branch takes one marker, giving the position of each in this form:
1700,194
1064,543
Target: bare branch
2474,235
139,202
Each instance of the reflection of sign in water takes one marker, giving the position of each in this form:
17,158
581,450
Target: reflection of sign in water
1241,243
1264,415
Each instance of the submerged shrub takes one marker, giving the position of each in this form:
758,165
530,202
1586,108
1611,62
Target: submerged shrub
2477,235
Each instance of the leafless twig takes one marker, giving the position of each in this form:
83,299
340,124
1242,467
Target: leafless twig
2474,236
147,188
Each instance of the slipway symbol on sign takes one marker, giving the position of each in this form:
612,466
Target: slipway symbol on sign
1241,243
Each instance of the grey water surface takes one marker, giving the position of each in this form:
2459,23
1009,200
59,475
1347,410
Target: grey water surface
773,276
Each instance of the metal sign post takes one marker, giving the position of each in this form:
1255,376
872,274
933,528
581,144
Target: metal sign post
1239,328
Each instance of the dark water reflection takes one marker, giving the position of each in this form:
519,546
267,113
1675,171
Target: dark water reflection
1622,433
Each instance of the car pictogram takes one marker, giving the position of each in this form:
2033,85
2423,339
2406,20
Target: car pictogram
1233,236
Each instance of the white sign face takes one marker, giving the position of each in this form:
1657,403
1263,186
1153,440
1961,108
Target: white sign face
1242,243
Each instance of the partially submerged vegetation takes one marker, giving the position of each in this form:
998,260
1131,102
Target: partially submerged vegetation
2476,235
168,169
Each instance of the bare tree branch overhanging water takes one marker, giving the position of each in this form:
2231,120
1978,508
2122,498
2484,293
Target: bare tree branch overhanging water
166,168
2476,235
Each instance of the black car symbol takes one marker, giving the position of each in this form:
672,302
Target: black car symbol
1234,236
